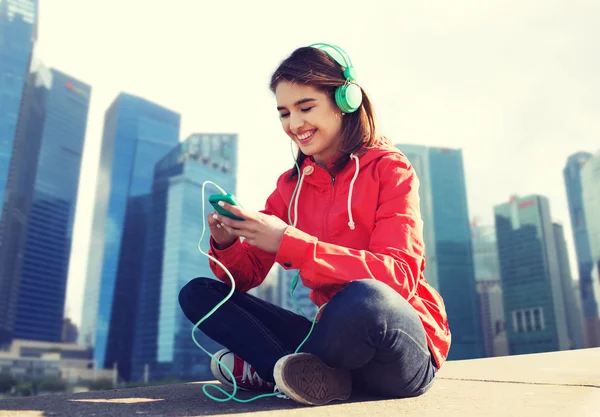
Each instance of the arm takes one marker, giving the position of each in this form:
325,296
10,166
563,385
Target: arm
247,264
395,254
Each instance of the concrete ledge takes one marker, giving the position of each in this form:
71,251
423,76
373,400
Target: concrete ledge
551,384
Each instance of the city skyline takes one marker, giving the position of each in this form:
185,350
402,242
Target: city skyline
495,105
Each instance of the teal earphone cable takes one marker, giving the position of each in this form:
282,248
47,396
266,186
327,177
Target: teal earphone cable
296,278
231,396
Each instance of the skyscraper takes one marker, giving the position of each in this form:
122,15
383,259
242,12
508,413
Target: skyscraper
489,290
18,26
52,213
137,134
448,246
590,184
163,335
574,188
18,23
530,272
419,159
40,199
574,315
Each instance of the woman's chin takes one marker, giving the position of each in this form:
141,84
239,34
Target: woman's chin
306,149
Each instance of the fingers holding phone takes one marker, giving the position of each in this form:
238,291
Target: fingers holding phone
221,236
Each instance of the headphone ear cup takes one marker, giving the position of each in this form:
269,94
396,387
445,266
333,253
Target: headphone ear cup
348,97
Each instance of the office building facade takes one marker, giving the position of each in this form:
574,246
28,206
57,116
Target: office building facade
137,134
534,305
448,246
574,190
163,344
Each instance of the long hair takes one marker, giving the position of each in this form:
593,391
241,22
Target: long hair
312,66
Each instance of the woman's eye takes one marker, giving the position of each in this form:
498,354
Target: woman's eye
306,110
283,115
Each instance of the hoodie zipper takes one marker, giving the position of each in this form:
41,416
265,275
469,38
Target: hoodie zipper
330,204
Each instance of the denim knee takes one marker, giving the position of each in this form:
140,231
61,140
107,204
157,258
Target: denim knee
372,297
191,293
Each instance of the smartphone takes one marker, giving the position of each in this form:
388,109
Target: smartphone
228,198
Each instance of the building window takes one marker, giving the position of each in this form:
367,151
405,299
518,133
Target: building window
528,324
499,327
539,312
519,321
537,319
528,320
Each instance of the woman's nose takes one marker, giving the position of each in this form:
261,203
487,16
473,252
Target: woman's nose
296,122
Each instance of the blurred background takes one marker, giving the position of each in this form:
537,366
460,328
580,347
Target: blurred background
114,113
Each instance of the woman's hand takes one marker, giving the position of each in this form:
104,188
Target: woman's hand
220,235
260,230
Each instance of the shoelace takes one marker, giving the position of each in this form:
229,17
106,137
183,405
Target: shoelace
249,376
281,394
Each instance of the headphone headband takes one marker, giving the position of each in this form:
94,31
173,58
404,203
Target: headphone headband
345,61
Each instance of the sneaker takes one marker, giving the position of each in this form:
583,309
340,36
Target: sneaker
306,379
245,376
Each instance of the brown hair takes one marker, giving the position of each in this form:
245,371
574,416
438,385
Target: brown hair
312,66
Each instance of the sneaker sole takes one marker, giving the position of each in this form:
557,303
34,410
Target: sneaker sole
306,379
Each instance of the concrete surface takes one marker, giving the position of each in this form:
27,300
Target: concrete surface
552,384
575,367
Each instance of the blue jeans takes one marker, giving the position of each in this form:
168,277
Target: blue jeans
367,328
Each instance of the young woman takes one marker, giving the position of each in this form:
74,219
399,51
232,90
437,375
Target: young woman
350,223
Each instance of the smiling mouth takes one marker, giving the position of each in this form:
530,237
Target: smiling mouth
305,137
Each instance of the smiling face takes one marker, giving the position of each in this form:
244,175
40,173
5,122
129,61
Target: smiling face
311,119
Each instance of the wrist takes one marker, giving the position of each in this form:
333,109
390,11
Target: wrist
223,245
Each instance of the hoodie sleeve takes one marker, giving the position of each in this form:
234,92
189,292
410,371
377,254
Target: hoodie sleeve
395,254
247,264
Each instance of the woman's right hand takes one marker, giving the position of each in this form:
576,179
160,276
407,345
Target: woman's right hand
221,236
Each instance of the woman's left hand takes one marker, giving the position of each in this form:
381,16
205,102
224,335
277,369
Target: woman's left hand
260,230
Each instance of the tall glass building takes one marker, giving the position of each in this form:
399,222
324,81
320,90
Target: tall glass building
489,290
529,268
574,315
590,184
40,200
574,189
448,246
419,158
163,345
45,259
137,134
590,180
18,26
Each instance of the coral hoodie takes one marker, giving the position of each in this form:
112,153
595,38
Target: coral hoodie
364,223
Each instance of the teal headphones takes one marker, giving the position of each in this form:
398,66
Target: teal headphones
348,96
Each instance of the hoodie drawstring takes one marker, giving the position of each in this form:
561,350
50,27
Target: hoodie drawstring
307,171
351,222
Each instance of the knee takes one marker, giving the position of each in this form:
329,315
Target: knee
194,290
370,298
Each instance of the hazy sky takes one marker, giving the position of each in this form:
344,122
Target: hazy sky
513,83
